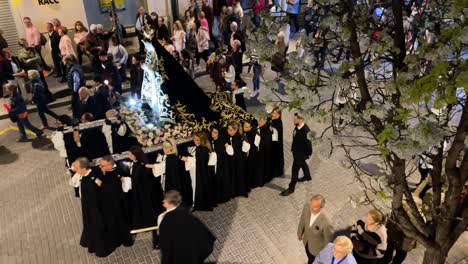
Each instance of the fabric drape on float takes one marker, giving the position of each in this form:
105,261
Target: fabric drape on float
180,87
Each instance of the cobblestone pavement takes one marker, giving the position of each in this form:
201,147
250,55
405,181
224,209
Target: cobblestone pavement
40,220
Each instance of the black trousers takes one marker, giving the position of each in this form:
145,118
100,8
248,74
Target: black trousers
141,45
155,238
75,104
310,257
43,109
57,64
298,164
399,257
424,173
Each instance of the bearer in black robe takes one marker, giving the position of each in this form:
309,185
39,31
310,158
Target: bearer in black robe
200,173
183,238
222,180
112,203
94,236
168,167
278,152
91,142
117,133
264,160
236,160
143,205
251,136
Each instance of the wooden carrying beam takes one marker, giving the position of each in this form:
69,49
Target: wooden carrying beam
142,230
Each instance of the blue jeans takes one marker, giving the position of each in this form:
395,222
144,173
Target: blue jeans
22,123
256,82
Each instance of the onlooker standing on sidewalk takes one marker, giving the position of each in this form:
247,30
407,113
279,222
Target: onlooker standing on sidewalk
315,229
208,11
293,12
142,19
178,38
75,80
66,48
301,149
33,38
203,45
370,238
93,44
54,40
338,252
41,97
120,56
19,112
80,37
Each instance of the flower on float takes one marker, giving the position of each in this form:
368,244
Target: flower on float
149,142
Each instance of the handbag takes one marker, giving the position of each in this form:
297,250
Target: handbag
43,40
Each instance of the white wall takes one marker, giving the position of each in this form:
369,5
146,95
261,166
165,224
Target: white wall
67,11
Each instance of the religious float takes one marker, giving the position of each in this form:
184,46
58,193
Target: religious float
171,106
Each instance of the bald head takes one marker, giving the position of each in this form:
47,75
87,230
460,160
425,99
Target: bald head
83,93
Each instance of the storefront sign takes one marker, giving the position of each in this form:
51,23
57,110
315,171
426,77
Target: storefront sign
106,5
48,2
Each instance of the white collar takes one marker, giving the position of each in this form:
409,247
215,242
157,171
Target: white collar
300,126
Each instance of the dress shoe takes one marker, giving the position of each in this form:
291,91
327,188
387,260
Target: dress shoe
286,192
22,140
304,179
44,128
156,247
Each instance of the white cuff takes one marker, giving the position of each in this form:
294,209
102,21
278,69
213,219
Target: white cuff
229,150
245,146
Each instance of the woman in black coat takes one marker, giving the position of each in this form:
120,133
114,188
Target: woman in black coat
264,160
41,97
251,136
278,153
236,160
201,173
145,192
222,180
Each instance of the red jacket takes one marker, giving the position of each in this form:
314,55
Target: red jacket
259,5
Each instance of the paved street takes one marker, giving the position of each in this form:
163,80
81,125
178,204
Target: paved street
40,220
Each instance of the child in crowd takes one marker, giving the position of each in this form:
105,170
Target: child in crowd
257,73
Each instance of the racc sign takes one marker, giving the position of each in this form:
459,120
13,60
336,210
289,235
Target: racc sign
48,2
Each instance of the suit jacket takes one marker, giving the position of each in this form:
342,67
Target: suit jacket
301,147
317,236
54,42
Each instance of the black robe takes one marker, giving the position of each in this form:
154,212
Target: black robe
236,167
184,239
277,148
93,143
173,174
121,143
112,206
264,160
204,193
222,181
252,178
143,205
94,236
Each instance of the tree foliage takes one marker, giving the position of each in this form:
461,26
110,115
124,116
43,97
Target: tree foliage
400,101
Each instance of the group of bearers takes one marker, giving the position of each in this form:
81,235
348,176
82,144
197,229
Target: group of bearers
211,171
108,216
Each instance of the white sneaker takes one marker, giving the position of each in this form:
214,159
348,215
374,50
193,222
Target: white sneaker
255,93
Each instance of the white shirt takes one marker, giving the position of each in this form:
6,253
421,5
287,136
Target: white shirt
161,216
300,126
313,217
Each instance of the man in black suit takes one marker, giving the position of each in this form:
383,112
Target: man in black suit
87,103
183,238
301,149
54,42
142,19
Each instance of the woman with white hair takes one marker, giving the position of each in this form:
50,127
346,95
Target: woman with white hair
41,97
169,167
338,252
